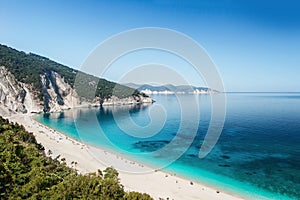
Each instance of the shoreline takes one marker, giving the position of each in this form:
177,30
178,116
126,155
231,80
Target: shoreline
86,158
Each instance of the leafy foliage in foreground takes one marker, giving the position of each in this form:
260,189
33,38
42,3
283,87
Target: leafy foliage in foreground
26,173
27,68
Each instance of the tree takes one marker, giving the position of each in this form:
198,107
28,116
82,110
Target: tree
137,196
26,173
111,173
27,68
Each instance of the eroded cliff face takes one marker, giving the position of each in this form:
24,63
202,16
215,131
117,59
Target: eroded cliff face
16,97
12,94
57,95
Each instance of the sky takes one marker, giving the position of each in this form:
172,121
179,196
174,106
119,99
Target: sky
255,45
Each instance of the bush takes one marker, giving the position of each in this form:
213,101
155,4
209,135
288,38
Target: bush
26,173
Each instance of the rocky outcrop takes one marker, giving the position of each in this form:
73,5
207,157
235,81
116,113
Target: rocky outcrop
12,94
16,97
57,95
125,101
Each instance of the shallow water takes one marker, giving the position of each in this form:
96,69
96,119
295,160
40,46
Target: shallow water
257,154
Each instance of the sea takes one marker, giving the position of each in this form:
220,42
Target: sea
256,154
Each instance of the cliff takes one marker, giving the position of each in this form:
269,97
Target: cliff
171,89
33,83
12,94
57,95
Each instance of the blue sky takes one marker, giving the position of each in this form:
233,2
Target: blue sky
254,44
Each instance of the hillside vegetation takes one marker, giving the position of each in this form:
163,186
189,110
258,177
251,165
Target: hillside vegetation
27,68
26,173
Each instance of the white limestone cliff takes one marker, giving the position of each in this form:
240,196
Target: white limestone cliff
16,97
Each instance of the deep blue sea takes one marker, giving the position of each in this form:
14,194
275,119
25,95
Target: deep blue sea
257,154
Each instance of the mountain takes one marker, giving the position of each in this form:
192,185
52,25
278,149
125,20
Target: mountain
171,89
33,83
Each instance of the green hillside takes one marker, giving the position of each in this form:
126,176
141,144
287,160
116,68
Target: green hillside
27,68
26,173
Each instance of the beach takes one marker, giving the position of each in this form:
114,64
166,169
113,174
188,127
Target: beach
133,176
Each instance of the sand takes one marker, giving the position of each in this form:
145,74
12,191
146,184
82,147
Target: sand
85,158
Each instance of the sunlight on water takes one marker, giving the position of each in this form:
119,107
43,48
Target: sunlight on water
257,155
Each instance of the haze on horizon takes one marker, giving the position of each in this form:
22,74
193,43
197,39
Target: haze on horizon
255,45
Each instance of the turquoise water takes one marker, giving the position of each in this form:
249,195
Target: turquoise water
257,154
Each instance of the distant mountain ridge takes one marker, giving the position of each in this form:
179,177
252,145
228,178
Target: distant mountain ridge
171,89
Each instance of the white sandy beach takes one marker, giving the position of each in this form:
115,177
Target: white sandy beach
85,158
